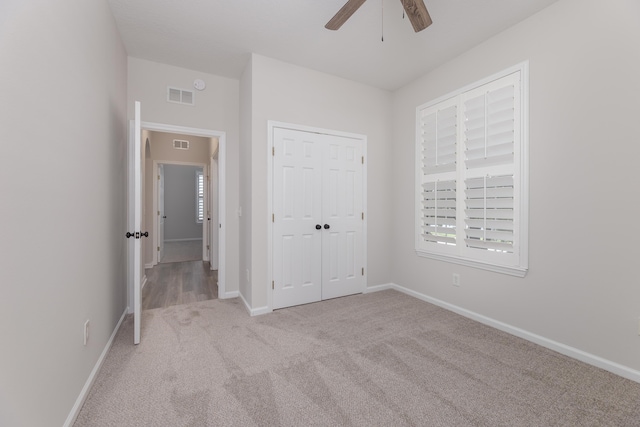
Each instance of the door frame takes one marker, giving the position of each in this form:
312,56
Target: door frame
222,150
271,125
207,196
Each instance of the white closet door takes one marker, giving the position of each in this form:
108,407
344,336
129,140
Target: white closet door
297,199
342,210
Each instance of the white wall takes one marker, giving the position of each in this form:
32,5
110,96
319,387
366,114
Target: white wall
62,180
180,202
216,108
288,93
582,287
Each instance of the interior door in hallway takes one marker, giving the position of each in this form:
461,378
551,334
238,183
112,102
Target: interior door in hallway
161,213
318,250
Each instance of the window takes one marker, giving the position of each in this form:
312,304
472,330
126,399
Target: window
472,175
199,196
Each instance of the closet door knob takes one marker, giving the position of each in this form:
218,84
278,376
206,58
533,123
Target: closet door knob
318,226
326,226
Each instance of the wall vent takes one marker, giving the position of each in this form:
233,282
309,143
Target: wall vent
180,144
180,96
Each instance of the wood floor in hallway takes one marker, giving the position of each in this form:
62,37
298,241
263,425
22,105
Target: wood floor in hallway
179,283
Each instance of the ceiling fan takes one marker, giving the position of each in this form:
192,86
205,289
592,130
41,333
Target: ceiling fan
415,10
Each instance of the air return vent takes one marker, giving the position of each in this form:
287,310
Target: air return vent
180,144
180,96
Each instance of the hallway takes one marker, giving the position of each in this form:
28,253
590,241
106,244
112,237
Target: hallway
179,283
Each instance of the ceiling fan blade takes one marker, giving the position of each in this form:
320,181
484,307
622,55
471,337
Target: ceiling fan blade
417,13
343,14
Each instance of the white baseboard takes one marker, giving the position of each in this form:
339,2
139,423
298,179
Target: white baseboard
254,311
229,295
92,377
183,240
376,288
150,265
144,282
583,356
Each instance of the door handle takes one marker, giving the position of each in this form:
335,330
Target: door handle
326,226
318,227
164,216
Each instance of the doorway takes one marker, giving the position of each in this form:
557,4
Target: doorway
182,206
220,196
317,229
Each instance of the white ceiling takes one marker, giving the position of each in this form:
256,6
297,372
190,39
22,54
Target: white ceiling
217,36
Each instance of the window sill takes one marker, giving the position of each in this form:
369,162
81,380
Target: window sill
509,270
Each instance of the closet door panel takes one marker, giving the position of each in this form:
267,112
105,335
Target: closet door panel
297,198
342,207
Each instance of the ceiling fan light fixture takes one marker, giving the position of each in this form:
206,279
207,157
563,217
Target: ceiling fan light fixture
414,9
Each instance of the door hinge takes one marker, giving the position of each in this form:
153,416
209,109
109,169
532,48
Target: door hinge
273,217
363,160
363,271
207,247
158,212
363,216
273,151
158,249
158,177
273,284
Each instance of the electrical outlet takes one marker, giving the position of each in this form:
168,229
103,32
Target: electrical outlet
248,276
456,279
86,332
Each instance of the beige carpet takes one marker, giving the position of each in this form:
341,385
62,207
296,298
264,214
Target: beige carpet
381,359
189,250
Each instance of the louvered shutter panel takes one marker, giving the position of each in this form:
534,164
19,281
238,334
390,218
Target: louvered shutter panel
489,213
439,212
489,128
199,196
490,120
439,138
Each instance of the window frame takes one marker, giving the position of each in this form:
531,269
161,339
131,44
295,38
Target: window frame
459,253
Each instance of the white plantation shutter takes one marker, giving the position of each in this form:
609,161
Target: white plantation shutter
489,128
439,137
489,213
437,151
439,212
199,196
471,175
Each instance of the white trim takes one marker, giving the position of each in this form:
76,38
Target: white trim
229,295
255,311
512,271
574,353
271,124
377,288
144,282
146,266
183,240
75,411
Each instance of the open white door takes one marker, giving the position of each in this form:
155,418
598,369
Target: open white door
213,212
161,213
137,221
